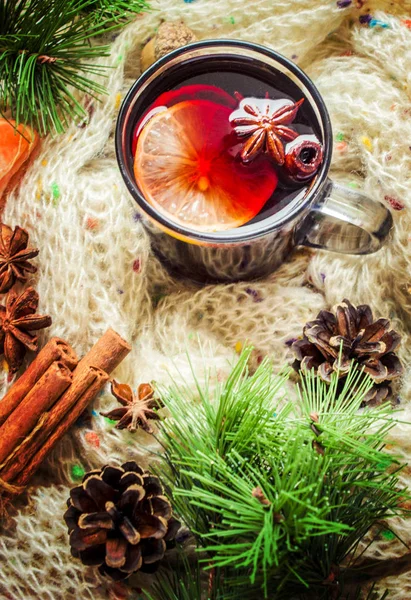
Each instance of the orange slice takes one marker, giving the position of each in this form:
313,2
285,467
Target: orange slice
15,149
187,168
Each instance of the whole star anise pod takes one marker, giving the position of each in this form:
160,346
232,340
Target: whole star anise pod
334,339
136,409
14,256
264,122
17,318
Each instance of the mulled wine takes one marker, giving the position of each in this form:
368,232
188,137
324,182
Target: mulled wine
224,142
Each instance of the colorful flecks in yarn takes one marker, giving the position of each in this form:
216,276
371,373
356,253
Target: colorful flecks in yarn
255,294
377,24
388,534
365,19
39,188
341,146
77,472
366,142
117,101
344,3
55,191
238,347
394,203
92,438
137,265
92,223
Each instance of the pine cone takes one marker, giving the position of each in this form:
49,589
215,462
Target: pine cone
120,521
334,339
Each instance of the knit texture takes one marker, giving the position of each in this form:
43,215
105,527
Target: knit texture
96,269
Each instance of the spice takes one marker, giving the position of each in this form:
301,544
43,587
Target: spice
49,410
303,157
55,350
264,122
17,319
41,397
136,409
14,256
107,353
83,388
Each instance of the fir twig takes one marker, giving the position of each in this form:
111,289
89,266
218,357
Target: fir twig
277,491
116,10
46,58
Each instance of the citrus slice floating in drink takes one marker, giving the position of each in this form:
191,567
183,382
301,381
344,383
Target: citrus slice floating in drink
182,94
186,166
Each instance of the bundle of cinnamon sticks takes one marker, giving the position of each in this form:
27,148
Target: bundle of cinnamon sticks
45,402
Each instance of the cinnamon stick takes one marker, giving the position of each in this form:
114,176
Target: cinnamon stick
47,423
55,350
62,428
49,412
107,353
42,396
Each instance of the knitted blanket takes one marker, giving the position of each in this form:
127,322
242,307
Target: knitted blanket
96,269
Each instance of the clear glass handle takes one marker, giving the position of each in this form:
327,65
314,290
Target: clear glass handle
343,220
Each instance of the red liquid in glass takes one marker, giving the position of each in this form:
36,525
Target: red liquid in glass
187,154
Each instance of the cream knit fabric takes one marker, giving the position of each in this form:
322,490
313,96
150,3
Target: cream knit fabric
96,270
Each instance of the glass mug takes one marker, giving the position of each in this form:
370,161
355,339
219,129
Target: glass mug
324,215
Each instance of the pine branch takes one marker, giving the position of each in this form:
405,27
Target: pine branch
46,58
116,10
185,580
282,491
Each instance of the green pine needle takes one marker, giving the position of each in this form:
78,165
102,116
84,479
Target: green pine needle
46,58
278,491
114,10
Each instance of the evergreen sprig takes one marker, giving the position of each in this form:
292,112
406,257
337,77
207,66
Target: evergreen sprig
46,57
278,493
116,10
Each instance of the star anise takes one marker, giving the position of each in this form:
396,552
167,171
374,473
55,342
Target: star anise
136,409
264,123
14,256
17,318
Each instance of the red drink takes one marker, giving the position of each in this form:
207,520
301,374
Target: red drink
217,150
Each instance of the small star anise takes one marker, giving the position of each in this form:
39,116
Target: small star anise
14,256
17,319
264,122
136,409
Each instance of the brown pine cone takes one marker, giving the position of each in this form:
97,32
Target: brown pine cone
120,521
334,339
